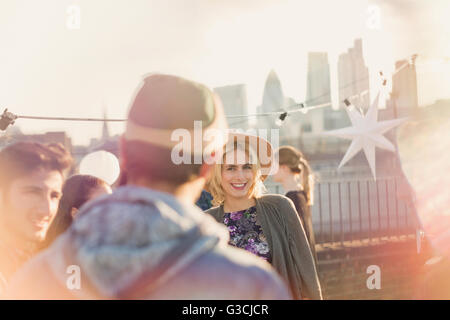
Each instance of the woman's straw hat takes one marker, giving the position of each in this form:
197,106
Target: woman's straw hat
261,148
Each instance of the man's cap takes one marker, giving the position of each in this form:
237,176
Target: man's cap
165,103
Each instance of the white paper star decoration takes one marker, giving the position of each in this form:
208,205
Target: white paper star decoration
366,133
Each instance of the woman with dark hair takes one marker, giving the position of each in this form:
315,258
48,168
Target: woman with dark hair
297,179
77,190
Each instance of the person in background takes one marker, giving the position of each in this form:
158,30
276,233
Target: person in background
265,225
148,240
205,200
296,177
77,190
31,179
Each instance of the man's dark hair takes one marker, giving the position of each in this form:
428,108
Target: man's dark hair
22,158
155,164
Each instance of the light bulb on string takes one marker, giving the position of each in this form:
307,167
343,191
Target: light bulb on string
348,104
279,122
412,59
384,90
303,109
351,107
383,79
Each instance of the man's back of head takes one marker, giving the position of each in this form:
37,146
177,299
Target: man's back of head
163,106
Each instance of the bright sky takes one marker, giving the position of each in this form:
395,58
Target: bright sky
49,69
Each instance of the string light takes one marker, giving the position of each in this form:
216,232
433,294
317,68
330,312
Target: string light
350,106
303,109
279,122
383,79
412,59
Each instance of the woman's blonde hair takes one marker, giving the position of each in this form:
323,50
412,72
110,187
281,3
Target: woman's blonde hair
214,184
296,162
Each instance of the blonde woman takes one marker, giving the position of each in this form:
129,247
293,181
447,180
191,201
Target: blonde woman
296,177
266,225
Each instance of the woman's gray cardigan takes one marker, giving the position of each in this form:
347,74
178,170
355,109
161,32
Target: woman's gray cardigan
289,247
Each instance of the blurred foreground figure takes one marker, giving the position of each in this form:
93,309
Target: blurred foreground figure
205,200
77,190
423,145
31,178
148,240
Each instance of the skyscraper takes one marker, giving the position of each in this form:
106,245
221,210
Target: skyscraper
318,90
353,76
273,97
318,82
273,101
234,100
404,87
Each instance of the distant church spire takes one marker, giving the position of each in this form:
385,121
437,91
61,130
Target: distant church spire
105,130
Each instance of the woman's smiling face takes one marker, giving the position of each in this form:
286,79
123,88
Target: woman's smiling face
237,176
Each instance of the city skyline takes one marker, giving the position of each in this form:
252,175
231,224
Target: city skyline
234,100
56,71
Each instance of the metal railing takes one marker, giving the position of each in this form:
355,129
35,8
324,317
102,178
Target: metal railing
358,210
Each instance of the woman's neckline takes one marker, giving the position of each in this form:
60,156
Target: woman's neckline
243,210
240,204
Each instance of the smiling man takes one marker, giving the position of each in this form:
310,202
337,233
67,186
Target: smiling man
31,179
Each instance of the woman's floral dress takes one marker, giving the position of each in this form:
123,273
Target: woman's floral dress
246,233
